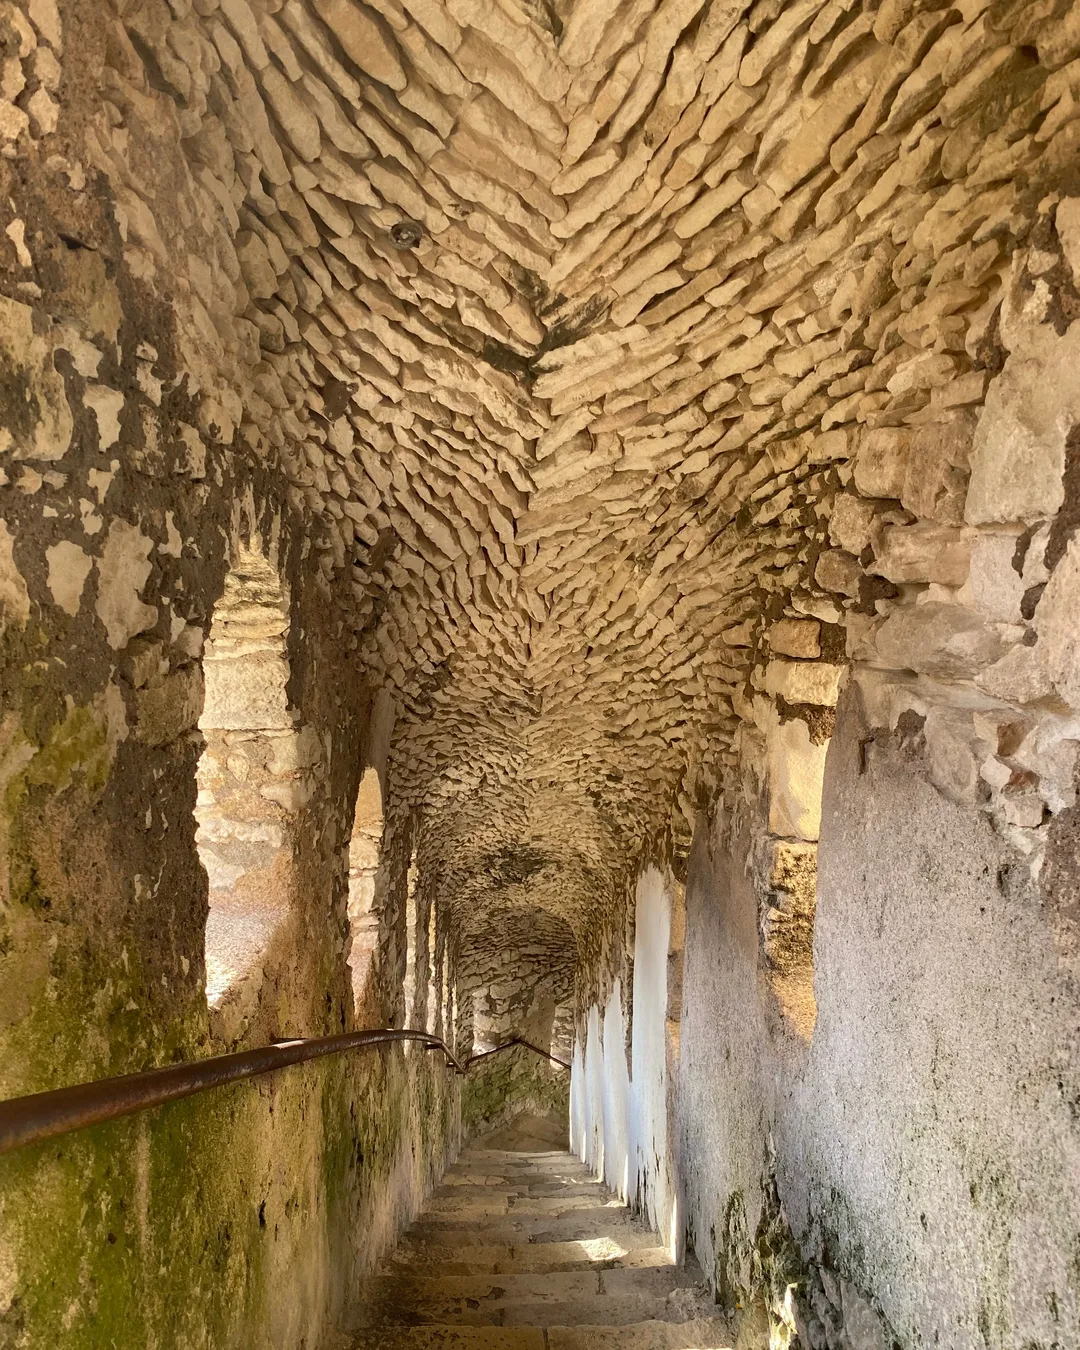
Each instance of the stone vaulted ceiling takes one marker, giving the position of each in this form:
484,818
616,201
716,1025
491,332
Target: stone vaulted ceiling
568,316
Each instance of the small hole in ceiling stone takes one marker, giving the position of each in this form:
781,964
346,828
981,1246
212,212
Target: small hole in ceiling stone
407,233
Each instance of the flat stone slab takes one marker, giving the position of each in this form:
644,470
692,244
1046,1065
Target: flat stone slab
450,1338
591,1253
702,1334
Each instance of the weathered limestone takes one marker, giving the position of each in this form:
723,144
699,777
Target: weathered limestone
618,388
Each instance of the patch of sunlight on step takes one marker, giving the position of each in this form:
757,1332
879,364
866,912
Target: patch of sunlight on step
601,1249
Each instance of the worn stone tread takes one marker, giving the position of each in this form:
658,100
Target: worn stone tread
521,1273
530,1256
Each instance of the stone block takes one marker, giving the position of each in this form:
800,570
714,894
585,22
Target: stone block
816,682
1058,622
1018,454
293,751
943,640
995,588
839,571
1018,677
921,553
246,692
881,462
936,477
795,637
290,795
796,768
741,635
167,710
851,525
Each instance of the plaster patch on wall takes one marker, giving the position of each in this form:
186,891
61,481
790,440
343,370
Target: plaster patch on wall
106,404
100,480
616,1097
14,598
650,1159
123,569
69,566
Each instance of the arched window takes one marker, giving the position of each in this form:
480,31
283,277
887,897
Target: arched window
433,974
364,846
252,776
412,979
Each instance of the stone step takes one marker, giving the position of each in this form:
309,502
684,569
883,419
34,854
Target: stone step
709,1333
450,1338
574,1225
495,1206
590,1253
483,1165
545,1299
496,1156
701,1334
532,1286
465,1199
532,1255
511,1180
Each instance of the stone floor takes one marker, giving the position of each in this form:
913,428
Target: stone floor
523,1250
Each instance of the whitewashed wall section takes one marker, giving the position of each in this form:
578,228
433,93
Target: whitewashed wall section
617,1173
619,1116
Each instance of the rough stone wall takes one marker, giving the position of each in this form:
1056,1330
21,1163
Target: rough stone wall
515,969
512,1084
613,347
127,486
629,368
917,320
913,1170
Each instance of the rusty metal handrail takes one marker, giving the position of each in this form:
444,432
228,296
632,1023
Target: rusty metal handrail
506,1045
43,1115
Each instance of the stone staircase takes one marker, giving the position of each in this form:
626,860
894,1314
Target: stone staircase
524,1251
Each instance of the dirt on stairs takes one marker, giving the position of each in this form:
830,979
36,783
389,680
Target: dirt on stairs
525,1251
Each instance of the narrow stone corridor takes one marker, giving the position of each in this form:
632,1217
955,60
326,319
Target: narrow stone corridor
540,594
524,1250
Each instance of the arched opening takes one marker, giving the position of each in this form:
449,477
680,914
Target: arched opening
412,980
251,775
364,846
562,1031
432,1021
